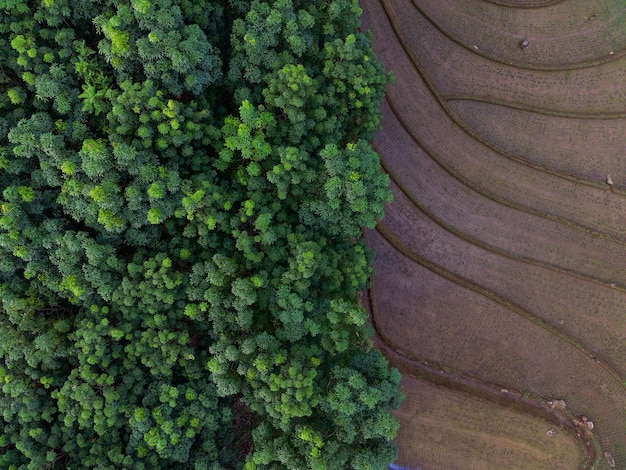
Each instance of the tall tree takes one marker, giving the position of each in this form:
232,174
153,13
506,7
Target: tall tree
183,188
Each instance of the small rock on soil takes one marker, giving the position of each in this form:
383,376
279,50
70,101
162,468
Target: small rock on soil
609,458
557,404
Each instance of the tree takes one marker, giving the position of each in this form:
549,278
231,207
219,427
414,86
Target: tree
183,187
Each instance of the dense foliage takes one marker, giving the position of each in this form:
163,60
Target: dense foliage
183,187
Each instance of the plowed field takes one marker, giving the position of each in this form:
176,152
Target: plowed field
499,286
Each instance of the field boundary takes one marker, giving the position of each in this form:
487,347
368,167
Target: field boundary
533,109
534,5
486,246
489,247
480,209
502,200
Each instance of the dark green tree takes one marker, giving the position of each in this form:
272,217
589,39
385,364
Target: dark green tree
183,189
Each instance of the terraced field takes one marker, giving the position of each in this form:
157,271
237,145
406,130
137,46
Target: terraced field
474,419
500,274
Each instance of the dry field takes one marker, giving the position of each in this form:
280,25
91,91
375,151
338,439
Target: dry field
500,226
588,314
459,71
583,148
500,262
587,31
511,439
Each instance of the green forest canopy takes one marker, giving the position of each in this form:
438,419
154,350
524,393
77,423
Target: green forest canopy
184,184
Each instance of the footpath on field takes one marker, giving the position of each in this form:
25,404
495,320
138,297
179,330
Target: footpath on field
500,267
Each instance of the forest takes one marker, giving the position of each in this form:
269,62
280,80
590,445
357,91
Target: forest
183,189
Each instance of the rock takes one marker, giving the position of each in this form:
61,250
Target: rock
551,432
585,425
523,44
609,458
609,181
558,404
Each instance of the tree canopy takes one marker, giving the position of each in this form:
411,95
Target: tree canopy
184,185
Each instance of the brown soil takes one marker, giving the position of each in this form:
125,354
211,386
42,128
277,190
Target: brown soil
500,268
587,31
458,71
510,438
517,230
584,148
491,392
576,311
514,182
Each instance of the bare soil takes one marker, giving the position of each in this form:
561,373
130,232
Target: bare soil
585,148
587,31
591,314
458,71
511,439
483,169
502,227
500,269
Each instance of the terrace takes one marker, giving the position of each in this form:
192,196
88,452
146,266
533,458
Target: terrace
499,283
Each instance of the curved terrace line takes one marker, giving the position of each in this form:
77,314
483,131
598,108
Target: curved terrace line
406,45
533,109
412,365
494,393
498,199
526,6
464,244
617,54
552,142
493,296
494,249
443,368
516,158
443,101
491,248
419,68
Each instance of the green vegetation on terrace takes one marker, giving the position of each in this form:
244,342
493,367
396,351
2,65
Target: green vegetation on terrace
183,185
